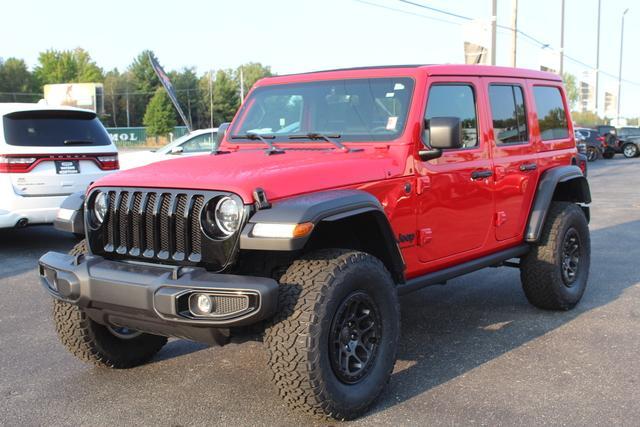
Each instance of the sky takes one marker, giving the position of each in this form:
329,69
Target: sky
305,35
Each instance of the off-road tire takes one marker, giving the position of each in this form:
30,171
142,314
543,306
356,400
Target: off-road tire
94,343
541,270
608,155
630,151
311,292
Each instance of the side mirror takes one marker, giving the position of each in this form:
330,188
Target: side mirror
177,150
222,130
440,133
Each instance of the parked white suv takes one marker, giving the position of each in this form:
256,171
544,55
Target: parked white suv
47,153
197,142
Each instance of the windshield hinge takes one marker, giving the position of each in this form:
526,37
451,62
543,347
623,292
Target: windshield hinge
260,197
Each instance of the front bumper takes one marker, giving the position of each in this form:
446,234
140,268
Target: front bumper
155,298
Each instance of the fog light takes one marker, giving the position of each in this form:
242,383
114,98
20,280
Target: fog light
203,302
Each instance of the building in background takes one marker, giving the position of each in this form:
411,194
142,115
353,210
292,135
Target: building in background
610,103
587,100
89,96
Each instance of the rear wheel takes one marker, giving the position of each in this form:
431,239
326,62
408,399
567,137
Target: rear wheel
105,346
554,273
630,151
332,345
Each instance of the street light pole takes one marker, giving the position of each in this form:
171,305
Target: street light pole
598,56
494,24
620,68
562,40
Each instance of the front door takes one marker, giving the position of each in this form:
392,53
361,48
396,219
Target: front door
455,200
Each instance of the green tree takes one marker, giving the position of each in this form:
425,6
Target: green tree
252,72
185,83
159,117
587,118
570,85
67,66
142,85
225,97
17,82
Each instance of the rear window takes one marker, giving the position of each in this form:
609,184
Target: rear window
509,115
54,129
552,118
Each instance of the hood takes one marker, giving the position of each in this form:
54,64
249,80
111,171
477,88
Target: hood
297,171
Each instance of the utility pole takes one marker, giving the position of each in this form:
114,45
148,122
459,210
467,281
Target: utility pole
494,22
620,68
514,29
598,56
211,96
241,85
562,40
127,97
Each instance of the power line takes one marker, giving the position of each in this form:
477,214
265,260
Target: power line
525,35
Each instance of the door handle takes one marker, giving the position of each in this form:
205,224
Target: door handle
481,174
525,167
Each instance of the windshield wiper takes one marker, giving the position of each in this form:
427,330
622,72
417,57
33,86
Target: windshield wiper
257,137
77,141
329,138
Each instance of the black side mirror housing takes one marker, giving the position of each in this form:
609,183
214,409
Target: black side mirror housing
443,133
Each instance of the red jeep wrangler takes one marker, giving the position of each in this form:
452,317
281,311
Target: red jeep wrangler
330,194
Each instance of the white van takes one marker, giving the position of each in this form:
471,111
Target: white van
47,153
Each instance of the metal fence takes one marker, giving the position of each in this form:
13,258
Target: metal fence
137,136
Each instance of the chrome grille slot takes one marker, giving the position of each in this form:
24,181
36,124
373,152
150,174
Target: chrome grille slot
163,225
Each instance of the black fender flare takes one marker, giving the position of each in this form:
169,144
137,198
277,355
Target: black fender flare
324,206
571,176
70,216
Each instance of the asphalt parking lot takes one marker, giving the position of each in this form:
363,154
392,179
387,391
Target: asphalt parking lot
472,352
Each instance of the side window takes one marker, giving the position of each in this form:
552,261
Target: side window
552,118
455,100
200,143
508,112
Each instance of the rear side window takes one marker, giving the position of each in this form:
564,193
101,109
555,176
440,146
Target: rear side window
453,100
552,118
508,112
54,129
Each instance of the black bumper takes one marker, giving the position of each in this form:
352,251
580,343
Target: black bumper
156,299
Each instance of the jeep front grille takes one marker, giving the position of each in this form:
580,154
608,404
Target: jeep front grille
155,224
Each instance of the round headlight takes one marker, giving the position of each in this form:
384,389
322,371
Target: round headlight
227,215
100,206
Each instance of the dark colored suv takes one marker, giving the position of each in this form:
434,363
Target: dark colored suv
594,145
629,141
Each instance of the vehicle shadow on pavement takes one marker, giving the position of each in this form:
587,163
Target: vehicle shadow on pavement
450,330
20,248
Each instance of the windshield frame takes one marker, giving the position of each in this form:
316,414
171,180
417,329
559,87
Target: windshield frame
283,138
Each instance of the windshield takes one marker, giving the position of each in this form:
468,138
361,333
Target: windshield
356,110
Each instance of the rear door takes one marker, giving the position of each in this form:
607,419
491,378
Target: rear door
515,164
54,152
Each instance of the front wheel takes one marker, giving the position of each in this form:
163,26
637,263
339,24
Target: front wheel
592,154
630,151
554,273
332,345
104,346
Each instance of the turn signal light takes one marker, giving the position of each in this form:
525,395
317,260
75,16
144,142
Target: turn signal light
109,163
10,164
